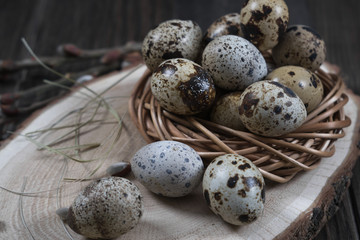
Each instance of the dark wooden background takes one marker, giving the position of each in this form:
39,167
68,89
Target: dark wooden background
94,24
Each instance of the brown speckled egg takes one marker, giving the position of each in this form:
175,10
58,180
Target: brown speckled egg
264,21
271,109
234,189
233,62
303,82
300,46
226,111
182,87
171,39
106,208
228,24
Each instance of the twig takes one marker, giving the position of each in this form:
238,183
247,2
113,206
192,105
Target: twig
71,53
41,95
9,98
13,110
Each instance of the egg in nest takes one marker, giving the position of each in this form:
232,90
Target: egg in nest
233,62
301,46
183,87
269,108
226,111
303,82
171,39
264,21
228,24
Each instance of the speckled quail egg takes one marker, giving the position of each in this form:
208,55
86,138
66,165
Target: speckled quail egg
300,46
233,62
168,168
106,208
269,108
303,82
171,39
226,111
264,21
228,24
182,87
234,189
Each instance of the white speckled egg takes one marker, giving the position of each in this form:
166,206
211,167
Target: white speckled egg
226,111
171,39
303,82
271,109
234,189
264,21
182,87
300,46
168,168
233,62
228,24
106,208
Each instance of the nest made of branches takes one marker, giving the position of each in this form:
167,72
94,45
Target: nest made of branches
279,159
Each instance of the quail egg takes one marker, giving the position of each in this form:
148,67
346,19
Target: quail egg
171,39
228,24
182,87
300,46
226,111
233,62
264,21
234,189
168,168
269,108
106,208
303,82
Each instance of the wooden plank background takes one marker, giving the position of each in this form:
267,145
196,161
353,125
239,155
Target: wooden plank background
92,24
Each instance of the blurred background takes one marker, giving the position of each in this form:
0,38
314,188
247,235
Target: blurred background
102,24
94,24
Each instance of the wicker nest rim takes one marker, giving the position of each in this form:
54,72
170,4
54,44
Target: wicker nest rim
279,159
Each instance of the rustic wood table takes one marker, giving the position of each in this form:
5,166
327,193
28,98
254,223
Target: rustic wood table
95,24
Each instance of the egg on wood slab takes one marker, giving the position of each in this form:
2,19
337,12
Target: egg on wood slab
106,208
264,21
168,168
234,189
171,39
228,24
271,109
233,62
301,46
183,87
306,84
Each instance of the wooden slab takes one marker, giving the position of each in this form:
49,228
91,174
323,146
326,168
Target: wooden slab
296,209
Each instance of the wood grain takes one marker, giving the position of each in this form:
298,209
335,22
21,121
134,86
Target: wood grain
296,209
90,24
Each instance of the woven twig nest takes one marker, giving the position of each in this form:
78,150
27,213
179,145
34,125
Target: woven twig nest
279,159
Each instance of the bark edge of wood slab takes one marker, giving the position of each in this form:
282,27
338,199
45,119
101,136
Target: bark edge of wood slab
310,223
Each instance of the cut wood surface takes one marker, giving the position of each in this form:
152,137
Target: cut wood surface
295,209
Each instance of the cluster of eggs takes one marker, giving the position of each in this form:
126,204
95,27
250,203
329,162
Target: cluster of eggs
189,72
224,73
191,69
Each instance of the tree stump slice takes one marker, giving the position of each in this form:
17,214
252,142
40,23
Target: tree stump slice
297,209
